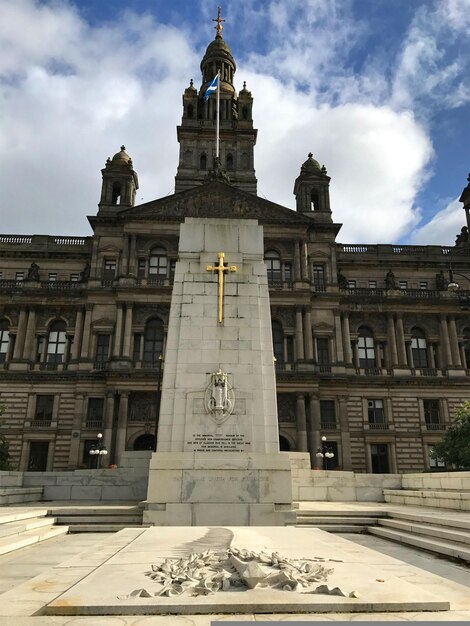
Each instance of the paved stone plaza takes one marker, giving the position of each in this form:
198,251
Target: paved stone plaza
421,570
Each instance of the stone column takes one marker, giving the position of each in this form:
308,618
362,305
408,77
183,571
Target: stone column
338,338
299,338
454,342
29,350
122,426
401,349
355,350
108,421
20,335
431,359
345,436
392,340
463,357
301,424
79,412
133,256
314,432
409,353
297,272
86,332
118,332
304,260
126,350
347,351
77,340
308,334
125,256
445,342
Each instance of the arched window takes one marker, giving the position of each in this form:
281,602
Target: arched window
314,199
158,262
419,348
229,161
366,348
278,341
116,193
190,111
203,162
56,342
4,340
153,341
284,444
245,113
273,266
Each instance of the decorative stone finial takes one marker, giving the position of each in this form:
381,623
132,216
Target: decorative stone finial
123,147
191,83
244,87
218,27
310,155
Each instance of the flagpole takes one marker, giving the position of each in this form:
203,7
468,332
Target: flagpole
217,126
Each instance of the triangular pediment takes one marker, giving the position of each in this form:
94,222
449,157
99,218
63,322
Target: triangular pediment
213,199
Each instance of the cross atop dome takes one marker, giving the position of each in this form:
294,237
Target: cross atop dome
218,27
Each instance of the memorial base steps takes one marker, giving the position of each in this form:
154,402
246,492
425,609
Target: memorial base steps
18,495
106,518
445,535
439,498
338,521
21,528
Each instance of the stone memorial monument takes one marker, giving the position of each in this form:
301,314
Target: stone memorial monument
217,459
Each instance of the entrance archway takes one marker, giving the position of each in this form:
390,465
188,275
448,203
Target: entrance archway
145,442
284,445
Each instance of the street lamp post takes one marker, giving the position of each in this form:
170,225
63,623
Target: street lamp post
325,453
159,397
454,286
98,449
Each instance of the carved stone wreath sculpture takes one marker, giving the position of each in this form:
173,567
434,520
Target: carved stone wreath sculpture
219,398
206,573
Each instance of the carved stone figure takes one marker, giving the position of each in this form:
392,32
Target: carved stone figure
33,272
219,398
390,282
85,273
462,237
342,281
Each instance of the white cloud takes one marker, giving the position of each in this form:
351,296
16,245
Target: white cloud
442,228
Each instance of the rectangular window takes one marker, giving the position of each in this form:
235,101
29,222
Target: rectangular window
375,411
52,277
109,268
323,351
351,284
44,406
372,284
38,453
327,414
102,347
379,458
290,348
403,284
19,276
95,412
74,278
431,412
172,268
423,284
137,346
288,272
318,275
141,268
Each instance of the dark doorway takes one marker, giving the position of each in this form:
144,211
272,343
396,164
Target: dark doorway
145,442
38,451
379,458
284,445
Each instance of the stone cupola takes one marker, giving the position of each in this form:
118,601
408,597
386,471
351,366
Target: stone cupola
311,190
120,183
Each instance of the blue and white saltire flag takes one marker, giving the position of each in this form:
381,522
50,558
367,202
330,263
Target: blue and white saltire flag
212,88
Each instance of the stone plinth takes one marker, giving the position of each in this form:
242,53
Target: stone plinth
245,489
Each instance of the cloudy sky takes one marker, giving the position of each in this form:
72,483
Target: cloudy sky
378,90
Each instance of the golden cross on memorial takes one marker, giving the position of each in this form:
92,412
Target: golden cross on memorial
219,26
221,269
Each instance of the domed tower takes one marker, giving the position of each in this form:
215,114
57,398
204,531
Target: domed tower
120,183
197,132
312,191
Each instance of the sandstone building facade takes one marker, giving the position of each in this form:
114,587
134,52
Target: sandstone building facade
372,350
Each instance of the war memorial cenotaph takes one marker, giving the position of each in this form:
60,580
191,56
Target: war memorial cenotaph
217,458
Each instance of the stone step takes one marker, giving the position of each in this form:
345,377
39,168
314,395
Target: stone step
16,495
13,514
442,499
335,528
99,528
9,544
122,520
310,520
15,528
340,513
430,530
115,510
448,548
440,518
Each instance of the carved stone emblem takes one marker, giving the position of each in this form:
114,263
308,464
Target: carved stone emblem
206,573
219,399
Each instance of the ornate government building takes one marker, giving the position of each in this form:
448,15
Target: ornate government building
372,350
